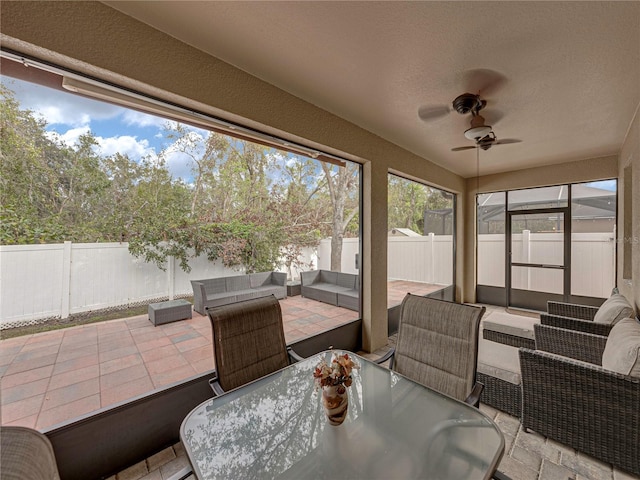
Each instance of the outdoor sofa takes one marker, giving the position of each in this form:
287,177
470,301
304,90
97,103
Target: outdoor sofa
583,390
214,292
335,288
586,318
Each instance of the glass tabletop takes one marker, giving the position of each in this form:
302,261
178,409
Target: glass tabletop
395,428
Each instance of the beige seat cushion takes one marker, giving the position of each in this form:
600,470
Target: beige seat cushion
499,361
622,351
614,309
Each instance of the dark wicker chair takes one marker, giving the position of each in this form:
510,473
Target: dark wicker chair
248,342
577,317
26,454
570,398
438,346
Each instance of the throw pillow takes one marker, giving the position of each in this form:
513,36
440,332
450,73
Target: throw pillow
622,351
614,309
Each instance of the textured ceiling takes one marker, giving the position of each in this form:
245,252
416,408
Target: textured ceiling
570,70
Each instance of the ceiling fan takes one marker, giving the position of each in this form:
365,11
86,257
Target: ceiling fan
481,80
478,131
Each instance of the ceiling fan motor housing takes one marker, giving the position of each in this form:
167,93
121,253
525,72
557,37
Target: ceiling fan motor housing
468,103
486,142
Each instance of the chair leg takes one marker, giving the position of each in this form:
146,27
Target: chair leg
500,476
182,474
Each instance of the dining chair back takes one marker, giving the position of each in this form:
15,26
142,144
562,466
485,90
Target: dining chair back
26,453
438,345
248,341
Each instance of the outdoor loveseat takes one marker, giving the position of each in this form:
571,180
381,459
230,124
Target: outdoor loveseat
585,318
583,390
336,288
214,292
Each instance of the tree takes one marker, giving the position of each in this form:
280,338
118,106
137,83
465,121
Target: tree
247,205
406,201
342,183
410,202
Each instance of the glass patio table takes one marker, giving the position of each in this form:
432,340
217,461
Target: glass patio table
276,427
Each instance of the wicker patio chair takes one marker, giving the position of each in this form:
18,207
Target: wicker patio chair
248,342
438,346
586,318
569,397
26,454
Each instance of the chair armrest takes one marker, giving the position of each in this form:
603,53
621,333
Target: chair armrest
582,346
279,278
474,397
309,278
389,355
215,386
588,326
199,297
293,356
584,406
583,312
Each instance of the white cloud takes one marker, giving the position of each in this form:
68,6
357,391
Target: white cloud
70,137
61,108
179,164
140,119
126,145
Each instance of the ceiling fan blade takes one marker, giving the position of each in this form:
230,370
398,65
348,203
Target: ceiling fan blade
483,81
492,117
459,149
433,112
507,141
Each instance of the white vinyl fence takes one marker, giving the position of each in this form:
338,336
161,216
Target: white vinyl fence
46,281
592,269
426,259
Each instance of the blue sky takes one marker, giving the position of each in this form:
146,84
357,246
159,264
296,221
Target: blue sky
116,129
604,184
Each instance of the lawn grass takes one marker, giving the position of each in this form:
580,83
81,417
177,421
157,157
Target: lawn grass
74,320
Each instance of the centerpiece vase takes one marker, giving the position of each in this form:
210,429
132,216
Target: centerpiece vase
335,400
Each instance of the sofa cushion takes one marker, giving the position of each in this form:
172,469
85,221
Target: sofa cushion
499,361
346,280
614,309
213,285
237,283
259,279
327,276
622,351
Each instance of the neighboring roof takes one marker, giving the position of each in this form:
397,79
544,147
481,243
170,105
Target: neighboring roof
407,232
589,202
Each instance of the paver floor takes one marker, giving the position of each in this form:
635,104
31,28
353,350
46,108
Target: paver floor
52,377
55,376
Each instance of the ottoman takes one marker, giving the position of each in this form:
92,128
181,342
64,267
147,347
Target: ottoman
499,371
165,312
513,330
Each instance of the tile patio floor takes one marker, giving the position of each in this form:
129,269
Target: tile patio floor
51,377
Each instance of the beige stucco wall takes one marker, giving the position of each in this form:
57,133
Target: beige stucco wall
630,155
92,38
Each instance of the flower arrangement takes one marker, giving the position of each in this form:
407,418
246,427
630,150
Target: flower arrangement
337,374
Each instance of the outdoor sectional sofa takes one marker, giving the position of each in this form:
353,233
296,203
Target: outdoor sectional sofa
583,390
335,288
214,292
